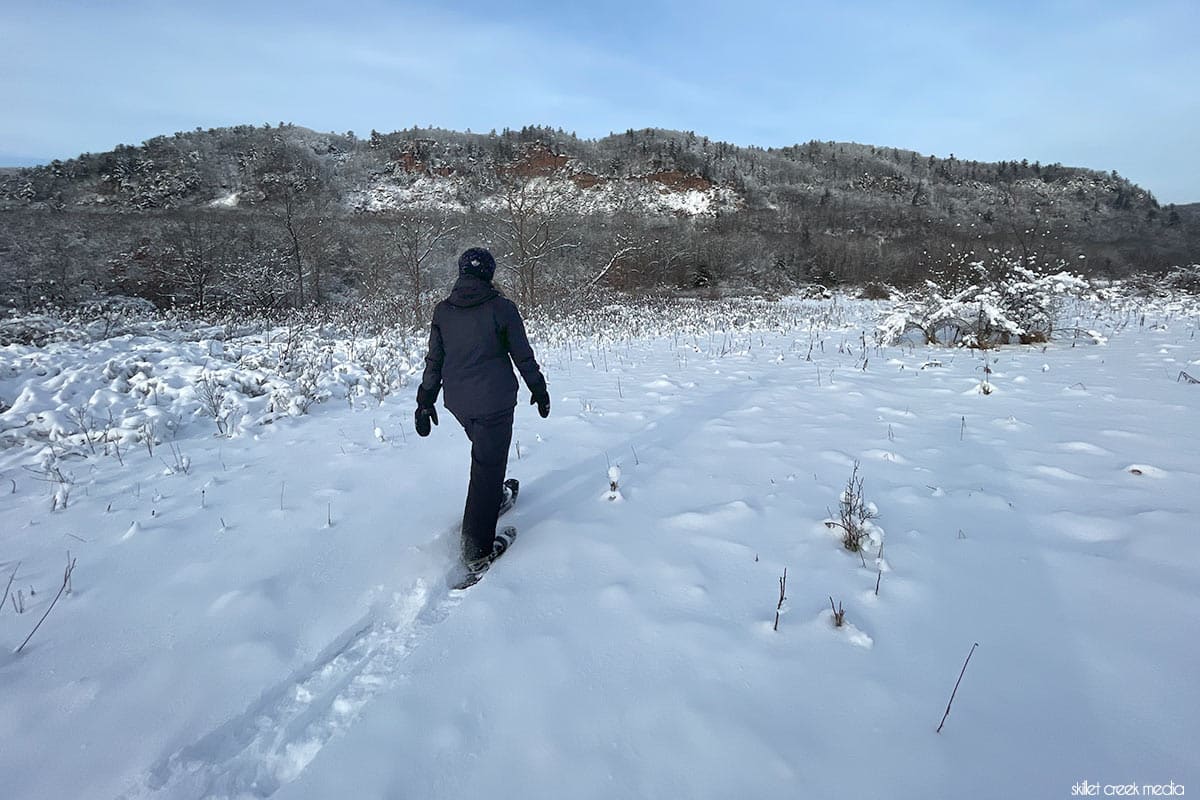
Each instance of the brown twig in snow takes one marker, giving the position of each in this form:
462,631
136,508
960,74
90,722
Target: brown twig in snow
782,596
11,578
66,582
839,613
956,683
879,564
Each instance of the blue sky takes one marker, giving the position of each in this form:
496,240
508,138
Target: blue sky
1106,85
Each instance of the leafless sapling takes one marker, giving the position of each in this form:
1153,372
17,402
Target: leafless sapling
87,423
147,433
854,515
212,401
114,437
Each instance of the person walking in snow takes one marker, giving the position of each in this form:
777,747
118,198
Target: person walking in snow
476,337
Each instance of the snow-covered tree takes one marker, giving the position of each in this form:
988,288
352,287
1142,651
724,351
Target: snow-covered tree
1002,299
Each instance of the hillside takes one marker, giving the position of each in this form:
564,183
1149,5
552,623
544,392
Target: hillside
670,207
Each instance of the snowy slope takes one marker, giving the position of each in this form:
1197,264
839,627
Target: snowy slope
636,195
272,622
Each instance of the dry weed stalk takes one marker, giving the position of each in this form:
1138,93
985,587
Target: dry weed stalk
66,587
839,613
11,578
956,683
782,596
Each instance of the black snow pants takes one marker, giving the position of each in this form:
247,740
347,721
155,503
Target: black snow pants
490,437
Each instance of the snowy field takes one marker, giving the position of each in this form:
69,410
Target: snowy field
258,608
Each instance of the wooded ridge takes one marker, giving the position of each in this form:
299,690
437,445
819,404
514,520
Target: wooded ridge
303,216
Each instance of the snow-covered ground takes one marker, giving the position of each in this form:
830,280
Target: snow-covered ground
264,614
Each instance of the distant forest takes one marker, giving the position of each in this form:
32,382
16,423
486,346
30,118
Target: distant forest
270,218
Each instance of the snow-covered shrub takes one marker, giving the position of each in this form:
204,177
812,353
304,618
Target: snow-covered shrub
876,291
855,516
1001,301
612,317
1178,281
29,329
813,291
1184,279
614,481
85,383
211,395
100,319
51,470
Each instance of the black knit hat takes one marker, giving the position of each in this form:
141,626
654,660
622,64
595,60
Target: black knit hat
478,262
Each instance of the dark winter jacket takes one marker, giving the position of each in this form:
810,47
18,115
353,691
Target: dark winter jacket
476,337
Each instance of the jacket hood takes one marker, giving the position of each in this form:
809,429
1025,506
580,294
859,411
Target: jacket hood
470,291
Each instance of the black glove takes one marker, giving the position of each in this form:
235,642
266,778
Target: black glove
541,398
423,416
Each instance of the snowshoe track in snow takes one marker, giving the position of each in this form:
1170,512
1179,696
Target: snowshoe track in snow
278,736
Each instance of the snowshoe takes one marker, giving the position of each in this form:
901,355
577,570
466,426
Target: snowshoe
512,487
504,538
473,571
